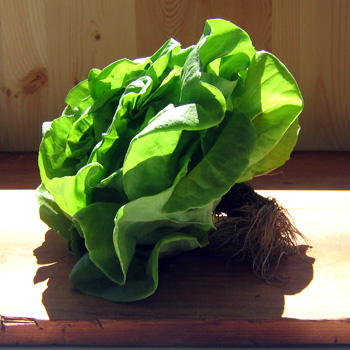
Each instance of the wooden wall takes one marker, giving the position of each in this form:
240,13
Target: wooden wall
47,46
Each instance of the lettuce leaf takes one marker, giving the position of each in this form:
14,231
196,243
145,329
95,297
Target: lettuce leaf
145,149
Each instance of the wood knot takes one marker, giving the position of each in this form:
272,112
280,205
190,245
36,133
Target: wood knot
95,34
34,81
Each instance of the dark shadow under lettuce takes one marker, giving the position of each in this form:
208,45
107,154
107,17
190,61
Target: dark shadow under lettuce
192,285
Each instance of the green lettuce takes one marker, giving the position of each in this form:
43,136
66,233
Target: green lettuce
145,149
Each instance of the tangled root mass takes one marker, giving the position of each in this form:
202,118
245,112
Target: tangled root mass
250,227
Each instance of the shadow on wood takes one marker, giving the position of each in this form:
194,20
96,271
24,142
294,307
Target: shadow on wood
192,286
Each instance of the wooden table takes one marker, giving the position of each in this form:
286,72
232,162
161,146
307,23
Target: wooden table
200,300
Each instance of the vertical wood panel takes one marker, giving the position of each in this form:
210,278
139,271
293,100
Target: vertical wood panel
158,20
286,41
3,119
325,74
87,34
286,34
47,46
24,73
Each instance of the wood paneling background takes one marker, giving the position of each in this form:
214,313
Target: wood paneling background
47,46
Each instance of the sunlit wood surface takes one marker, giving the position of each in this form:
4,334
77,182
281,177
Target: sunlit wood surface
200,300
46,47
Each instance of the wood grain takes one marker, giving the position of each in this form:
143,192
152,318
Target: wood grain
89,34
285,38
24,73
200,300
49,46
158,20
325,74
46,47
175,333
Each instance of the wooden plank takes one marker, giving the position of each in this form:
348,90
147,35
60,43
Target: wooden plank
326,171
296,29
158,20
3,119
40,264
286,34
200,300
24,73
46,47
324,74
89,34
323,217
19,171
174,332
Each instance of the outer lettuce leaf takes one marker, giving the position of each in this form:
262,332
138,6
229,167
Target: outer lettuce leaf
95,224
142,276
144,222
145,149
276,157
72,193
53,161
151,163
224,41
273,102
224,163
52,214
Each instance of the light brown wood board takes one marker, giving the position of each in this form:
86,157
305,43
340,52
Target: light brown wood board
47,47
200,300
